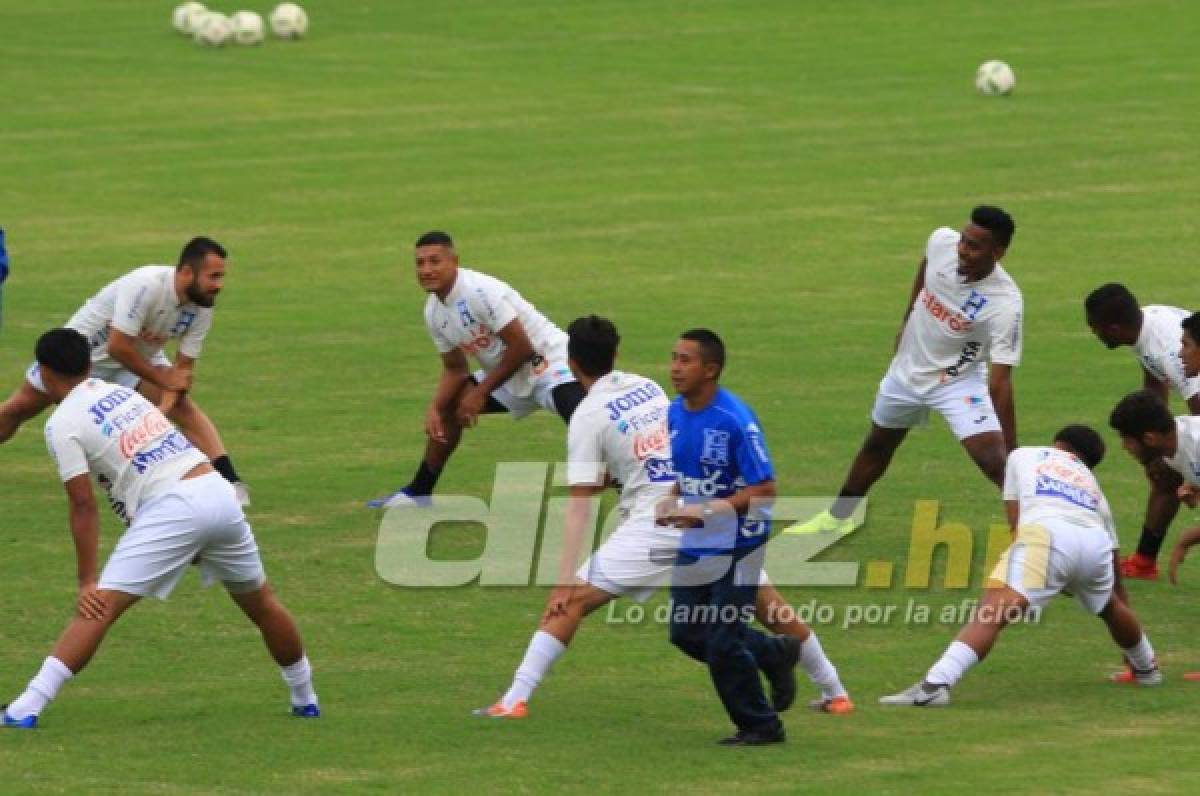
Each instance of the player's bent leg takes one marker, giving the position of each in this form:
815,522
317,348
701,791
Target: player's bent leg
567,398
989,454
72,652
1126,631
1162,504
23,405
282,638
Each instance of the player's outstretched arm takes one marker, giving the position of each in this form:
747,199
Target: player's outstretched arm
918,283
517,351
1186,540
1000,388
84,518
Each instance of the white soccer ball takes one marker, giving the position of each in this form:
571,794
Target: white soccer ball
289,21
214,30
187,16
247,27
994,79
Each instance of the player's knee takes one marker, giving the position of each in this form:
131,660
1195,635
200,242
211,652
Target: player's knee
689,641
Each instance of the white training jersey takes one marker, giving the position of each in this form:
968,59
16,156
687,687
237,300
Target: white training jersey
143,305
1186,460
128,446
956,326
473,314
1054,486
1158,344
620,431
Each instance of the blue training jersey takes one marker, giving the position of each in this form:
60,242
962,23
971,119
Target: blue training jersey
717,451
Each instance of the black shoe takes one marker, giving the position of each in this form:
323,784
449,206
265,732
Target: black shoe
759,737
782,678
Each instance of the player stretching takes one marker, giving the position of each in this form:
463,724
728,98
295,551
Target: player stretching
1064,542
619,434
965,311
127,324
1153,333
179,512
523,359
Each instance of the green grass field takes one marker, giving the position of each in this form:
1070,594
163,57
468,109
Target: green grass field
770,169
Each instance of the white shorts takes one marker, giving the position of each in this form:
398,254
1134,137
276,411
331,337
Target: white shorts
636,560
110,371
966,405
1048,559
542,396
197,521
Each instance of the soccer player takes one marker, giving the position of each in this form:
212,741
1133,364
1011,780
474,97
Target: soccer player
963,321
127,324
179,512
1064,542
725,482
1153,333
619,434
523,359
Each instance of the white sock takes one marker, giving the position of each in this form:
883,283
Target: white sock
544,649
953,664
1141,655
41,689
298,677
820,669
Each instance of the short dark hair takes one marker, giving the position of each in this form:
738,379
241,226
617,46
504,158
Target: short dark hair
1139,413
196,249
995,221
712,350
1112,304
64,351
435,238
1191,325
1084,442
592,343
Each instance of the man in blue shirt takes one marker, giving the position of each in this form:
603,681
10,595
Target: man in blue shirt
725,483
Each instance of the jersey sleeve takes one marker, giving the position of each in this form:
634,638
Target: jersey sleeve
585,453
1006,334
191,344
131,305
66,448
750,452
1012,476
491,306
940,239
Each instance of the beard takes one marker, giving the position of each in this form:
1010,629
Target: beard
199,298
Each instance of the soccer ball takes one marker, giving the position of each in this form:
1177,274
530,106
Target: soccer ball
247,27
187,17
214,30
994,79
288,21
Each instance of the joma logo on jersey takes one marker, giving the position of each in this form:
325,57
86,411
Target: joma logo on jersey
635,397
716,447
101,408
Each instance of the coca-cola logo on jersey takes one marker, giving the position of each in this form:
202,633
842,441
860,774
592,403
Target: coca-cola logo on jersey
657,440
146,429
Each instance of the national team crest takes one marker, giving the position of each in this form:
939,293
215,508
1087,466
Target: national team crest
716,447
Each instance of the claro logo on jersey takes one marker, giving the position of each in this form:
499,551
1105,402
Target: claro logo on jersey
708,486
952,320
101,408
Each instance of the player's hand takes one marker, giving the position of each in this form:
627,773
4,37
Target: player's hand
172,379
1177,556
470,406
435,428
90,604
672,511
560,598
1187,495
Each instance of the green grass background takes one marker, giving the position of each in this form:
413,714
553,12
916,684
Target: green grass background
769,169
